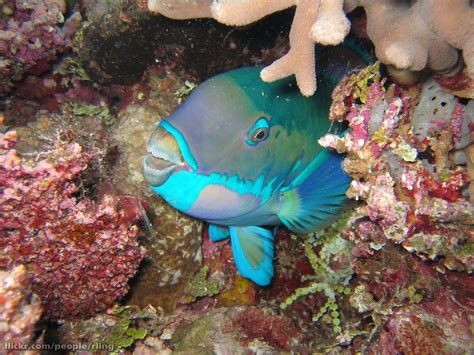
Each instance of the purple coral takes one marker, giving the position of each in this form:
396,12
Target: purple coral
31,35
81,253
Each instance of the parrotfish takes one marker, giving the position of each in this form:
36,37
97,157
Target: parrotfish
243,155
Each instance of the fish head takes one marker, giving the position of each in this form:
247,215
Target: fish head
226,150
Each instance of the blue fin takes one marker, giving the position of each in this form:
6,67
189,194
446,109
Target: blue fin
317,196
253,253
217,233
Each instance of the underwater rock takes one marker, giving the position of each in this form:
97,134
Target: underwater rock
80,253
399,149
174,239
409,303
222,330
235,330
442,325
122,40
20,309
408,35
32,34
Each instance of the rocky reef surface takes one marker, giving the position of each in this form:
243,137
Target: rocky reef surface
90,256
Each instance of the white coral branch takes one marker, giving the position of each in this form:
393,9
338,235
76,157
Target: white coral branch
244,12
181,9
332,25
300,59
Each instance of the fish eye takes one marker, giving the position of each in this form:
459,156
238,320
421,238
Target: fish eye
259,135
259,132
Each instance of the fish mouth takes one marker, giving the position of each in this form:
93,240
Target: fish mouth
163,158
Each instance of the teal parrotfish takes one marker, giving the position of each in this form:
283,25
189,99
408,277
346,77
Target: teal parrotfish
243,155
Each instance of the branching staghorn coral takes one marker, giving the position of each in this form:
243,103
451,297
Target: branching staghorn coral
408,35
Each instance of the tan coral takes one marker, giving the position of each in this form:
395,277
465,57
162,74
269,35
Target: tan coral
453,20
181,9
315,20
300,59
402,37
332,25
244,12
407,35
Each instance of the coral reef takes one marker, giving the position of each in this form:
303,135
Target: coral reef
406,304
19,309
388,288
173,239
32,34
398,155
116,330
407,35
225,329
80,253
392,275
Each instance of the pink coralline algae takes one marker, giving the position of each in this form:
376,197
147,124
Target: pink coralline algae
405,152
32,34
19,308
80,253
412,307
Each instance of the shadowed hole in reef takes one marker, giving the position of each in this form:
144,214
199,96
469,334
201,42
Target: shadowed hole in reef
115,51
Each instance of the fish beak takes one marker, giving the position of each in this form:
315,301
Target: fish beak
163,157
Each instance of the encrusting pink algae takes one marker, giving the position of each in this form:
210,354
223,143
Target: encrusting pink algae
80,253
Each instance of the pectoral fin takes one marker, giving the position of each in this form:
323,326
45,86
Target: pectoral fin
253,253
217,233
317,197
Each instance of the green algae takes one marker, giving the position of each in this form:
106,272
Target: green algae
75,67
87,110
202,286
361,82
332,283
124,333
185,90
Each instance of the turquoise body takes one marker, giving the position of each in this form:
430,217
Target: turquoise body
250,160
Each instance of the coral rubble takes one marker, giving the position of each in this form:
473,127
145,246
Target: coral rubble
407,35
19,309
80,253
